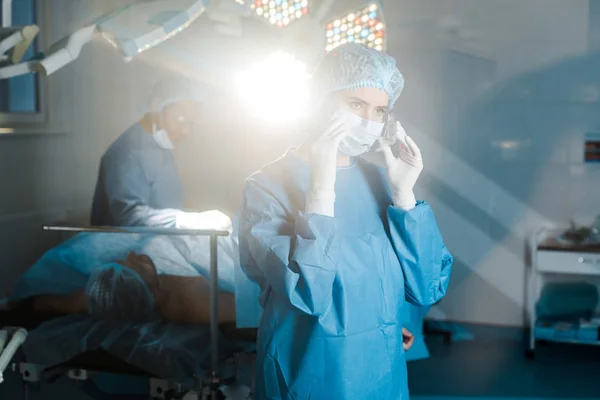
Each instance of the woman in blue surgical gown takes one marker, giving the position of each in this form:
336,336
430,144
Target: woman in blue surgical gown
338,245
138,183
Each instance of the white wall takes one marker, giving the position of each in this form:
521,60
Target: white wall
523,90
519,35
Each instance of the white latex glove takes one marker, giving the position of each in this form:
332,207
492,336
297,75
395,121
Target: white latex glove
320,198
404,170
213,219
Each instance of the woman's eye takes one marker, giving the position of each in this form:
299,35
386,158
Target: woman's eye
355,105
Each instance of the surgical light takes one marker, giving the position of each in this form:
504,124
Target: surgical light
138,27
14,42
131,29
276,89
362,26
280,13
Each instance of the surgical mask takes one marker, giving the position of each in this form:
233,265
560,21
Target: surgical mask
362,136
162,138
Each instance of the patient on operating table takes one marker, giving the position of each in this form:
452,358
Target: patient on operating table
132,290
176,299
123,297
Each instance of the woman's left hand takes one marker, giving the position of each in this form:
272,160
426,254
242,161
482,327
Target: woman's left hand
404,170
407,339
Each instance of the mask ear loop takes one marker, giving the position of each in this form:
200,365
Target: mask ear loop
320,117
155,122
388,135
156,108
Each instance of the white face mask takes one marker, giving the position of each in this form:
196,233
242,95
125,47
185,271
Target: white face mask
362,136
162,138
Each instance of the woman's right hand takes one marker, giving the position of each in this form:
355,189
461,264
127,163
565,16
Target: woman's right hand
323,166
323,155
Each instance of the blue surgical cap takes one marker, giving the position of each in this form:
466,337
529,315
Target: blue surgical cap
353,66
168,91
119,293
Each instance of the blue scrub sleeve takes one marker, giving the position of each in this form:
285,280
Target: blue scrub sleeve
293,256
426,262
128,192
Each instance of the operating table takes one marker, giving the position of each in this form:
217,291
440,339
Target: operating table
81,367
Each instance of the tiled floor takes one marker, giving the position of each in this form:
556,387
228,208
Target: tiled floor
471,370
499,370
486,398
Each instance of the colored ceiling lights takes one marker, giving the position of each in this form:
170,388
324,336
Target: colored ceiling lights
363,26
280,13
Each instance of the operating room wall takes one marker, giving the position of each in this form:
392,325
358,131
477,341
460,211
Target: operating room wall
491,98
49,175
501,121
38,182
498,97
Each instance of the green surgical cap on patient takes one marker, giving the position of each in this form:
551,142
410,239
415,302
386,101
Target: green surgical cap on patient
353,66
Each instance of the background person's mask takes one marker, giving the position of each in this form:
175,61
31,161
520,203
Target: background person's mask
162,138
362,135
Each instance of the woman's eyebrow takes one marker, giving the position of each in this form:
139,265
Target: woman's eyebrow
352,98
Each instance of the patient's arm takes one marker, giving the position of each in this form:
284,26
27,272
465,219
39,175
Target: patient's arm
73,303
186,300
183,300
178,299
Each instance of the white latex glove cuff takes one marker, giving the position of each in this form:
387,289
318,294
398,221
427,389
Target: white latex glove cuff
179,219
320,202
405,200
209,220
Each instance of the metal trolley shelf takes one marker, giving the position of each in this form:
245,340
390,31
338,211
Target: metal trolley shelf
552,258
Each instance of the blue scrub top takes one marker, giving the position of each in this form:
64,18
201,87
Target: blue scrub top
138,183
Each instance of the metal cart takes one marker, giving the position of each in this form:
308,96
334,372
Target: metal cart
551,258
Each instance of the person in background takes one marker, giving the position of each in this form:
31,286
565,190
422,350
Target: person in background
138,182
338,245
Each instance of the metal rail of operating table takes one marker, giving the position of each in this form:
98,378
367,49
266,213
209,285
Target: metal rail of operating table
214,380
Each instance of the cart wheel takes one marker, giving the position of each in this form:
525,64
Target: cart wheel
529,354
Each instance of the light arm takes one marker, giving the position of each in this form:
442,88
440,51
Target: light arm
147,25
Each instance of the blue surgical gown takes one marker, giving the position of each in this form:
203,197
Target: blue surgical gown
138,183
333,289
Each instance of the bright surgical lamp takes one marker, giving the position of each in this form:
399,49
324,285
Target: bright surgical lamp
131,30
280,13
276,89
360,26
141,26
